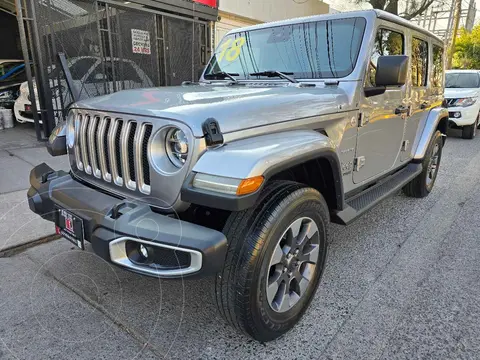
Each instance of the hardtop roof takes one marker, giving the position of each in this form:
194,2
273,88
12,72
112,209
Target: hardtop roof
369,14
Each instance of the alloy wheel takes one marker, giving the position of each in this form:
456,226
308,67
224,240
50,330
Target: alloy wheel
293,264
433,165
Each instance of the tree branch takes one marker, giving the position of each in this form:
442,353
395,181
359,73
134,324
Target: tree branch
423,7
378,4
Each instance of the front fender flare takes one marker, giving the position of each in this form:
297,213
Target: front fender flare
431,125
264,155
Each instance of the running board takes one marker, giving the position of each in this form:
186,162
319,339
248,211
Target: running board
361,203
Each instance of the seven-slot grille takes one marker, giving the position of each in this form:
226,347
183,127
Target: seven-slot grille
113,149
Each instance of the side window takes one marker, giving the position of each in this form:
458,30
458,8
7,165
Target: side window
419,62
387,42
437,66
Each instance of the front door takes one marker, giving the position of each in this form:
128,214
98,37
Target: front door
381,133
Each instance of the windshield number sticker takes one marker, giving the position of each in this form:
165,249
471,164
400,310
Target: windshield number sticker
231,53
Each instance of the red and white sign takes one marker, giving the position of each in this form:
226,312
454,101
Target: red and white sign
141,42
211,3
69,224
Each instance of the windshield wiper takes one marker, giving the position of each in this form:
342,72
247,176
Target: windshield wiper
273,73
224,75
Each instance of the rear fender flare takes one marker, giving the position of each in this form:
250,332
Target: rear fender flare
431,124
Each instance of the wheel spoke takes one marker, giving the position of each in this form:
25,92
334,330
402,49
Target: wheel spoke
282,297
277,255
310,254
309,228
302,285
274,283
284,303
295,227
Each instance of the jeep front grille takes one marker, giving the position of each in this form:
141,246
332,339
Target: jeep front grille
114,150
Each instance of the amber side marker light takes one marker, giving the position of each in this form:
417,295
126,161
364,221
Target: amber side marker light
248,186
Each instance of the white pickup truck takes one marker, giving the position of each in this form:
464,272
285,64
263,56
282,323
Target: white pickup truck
462,94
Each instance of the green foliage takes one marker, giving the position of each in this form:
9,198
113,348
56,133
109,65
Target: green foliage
467,49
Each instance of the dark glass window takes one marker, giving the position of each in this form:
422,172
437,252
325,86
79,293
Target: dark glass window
419,62
311,50
387,42
437,66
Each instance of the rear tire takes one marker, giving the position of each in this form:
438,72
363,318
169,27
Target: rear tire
257,291
422,185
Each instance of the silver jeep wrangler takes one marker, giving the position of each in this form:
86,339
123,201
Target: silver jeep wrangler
292,125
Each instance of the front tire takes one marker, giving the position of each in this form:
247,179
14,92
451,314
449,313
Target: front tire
469,131
422,185
276,256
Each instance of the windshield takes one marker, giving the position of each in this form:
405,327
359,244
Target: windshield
313,50
462,80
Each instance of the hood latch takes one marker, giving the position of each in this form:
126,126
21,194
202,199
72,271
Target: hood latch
212,132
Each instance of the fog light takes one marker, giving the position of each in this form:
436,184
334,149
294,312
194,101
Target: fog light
139,253
143,251
457,114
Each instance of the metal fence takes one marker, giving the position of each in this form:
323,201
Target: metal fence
108,47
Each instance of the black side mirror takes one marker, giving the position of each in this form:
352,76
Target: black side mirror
57,141
392,70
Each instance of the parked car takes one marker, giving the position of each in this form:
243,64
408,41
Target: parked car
462,94
12,74
91,77
237,177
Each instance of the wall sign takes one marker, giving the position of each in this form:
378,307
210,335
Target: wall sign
141,42
211,3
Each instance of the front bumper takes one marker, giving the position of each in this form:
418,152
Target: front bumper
111,223
468,115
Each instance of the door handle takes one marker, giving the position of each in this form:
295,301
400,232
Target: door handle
402,110
424,105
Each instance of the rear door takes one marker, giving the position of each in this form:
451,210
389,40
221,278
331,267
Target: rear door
381,133
420,101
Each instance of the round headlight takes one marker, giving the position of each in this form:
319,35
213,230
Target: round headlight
70,133
176,146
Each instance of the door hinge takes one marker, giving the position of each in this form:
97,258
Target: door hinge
362,120
405,145
358,163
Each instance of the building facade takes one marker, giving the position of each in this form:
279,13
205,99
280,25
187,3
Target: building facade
238,13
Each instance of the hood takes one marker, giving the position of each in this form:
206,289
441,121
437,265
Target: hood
235,107
456,93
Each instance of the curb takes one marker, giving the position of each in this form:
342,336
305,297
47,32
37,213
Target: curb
16,249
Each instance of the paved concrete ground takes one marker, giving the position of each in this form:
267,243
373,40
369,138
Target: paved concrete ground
19,153
400,283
